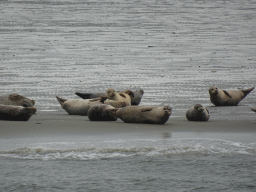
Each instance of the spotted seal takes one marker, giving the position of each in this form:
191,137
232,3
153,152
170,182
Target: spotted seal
143,114
99,112
16,113
16,99
198,113
121,97
135,100
220,97
82,106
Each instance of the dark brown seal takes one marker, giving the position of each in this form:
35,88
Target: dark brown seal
100,112
198,113
221,97
16,113
16,99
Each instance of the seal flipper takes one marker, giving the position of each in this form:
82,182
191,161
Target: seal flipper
253,109
103,98
84,95
247,91
96,99
129,92
227,93
146,109
61,100
121,94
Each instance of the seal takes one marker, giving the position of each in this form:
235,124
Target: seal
135,100
198,113
253,109
76,106
137,96
82,106
143,114
16,113
121,97
99,112
221,97
16,99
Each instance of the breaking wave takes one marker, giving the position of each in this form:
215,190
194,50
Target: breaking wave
157,148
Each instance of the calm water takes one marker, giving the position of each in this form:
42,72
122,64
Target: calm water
174,50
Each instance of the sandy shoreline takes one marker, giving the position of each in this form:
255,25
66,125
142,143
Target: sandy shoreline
59,124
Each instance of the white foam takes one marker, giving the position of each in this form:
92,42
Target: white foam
121,149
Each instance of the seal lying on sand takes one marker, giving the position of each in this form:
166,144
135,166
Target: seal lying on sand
16,113
135,100
197,113
82,106
253,109
121,97
16,99
220,97
143,114
99,112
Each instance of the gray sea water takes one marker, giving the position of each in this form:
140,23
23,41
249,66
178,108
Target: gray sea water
174,50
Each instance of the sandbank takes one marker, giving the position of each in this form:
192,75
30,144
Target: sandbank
45,124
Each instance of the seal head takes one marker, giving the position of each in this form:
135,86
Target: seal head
197,113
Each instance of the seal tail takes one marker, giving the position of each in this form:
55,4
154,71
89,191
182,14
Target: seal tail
61,100
247,91
84,95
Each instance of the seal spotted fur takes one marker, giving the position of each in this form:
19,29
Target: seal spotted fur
99,112
198,113
16,99
143,114
121,97
221,97
16,113
82,106
135,100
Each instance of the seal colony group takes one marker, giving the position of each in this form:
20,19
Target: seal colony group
111,105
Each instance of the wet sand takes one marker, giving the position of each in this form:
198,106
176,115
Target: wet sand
42,125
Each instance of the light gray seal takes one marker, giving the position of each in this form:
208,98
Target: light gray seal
16,99
143,114
82,106
198,113
220,97
99,112
135,100
16,113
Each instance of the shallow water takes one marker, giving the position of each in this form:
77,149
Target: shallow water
174,50
102,163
